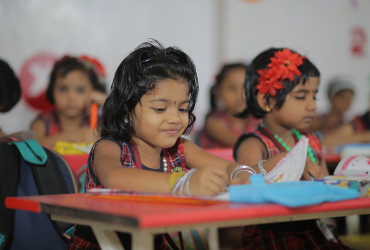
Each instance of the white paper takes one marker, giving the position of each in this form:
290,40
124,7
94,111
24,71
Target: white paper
291,167
355,166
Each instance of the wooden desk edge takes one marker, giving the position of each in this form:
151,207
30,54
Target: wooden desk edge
117,226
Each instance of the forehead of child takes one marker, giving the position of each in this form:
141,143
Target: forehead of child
169,91
73,77
310,85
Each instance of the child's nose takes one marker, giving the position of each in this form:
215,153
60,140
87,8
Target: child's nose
311,105
174,117
71,94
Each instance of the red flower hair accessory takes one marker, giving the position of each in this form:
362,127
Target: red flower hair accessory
283,65
98,67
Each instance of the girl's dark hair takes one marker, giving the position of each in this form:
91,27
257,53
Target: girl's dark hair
139,73
67,64
307,69
219,78
10,89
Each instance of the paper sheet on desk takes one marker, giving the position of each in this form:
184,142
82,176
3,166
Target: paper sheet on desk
290,168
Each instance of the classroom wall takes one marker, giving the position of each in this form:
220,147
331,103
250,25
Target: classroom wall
212,32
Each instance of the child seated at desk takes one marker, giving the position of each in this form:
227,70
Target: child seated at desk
221,128
74,84
10,89
340,93
150,107
355,131
281,88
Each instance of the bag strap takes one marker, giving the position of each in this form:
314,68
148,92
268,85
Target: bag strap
46,173
9,173
49,180
31,151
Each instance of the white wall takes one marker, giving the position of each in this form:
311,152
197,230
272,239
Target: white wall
210,31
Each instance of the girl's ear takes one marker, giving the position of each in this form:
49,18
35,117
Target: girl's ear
265,104
262,102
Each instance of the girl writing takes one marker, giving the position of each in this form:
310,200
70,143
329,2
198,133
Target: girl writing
150,106
281,88
222,128
74,84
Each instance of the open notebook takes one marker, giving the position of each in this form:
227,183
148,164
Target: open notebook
290,168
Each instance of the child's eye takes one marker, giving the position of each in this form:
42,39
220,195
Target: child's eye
185,110
300,97
159,110
80,90
63,89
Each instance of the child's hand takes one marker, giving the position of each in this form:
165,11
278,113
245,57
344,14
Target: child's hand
98,97
312,169
241,178
208,181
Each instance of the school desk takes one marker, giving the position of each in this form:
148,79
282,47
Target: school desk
143,219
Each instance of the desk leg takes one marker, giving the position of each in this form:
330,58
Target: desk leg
213,239
142,241
108,239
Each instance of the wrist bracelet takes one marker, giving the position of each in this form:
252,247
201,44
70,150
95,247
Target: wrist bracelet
178,187
260,166
191,172
241,168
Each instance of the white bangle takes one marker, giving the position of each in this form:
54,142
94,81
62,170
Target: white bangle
260,166
183,182
241,168
191,172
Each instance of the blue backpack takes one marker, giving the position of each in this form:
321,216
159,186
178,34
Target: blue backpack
27,169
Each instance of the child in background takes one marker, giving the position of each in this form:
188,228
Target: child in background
281,88
221,128
150,106
340,94
355,131
74,84
10,89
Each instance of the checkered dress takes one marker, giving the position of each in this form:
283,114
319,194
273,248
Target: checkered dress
129,158
203,140
288,235
273,147
52,124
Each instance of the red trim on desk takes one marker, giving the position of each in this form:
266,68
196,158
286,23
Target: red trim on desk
28,205
332,158
235,211
156,215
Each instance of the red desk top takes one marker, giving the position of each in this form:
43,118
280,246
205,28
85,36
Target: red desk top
152,215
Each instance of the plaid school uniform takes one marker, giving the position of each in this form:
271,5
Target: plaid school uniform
204,140
285,235
361,123
52,124
129,158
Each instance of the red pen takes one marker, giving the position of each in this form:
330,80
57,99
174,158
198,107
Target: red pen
93,115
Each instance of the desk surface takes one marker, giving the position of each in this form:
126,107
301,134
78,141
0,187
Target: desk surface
146,215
